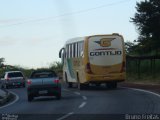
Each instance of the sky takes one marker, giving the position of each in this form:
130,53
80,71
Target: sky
33,31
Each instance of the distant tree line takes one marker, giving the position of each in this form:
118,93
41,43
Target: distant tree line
56,66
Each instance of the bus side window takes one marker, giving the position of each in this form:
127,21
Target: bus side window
74,50
80,48
77,49
82,45
70,51
68,56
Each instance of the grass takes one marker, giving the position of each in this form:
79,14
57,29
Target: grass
144,78
147,73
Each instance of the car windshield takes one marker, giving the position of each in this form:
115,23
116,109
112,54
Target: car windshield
15,74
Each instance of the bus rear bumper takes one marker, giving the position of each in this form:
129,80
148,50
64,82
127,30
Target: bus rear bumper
118,77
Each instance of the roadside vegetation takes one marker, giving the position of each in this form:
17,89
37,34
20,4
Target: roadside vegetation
56,66
145,51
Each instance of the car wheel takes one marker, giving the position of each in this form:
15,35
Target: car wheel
58,96
30,98
24,85
2,86
6,86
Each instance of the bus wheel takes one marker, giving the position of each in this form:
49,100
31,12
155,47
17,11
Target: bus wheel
70,85
82,86
97,84
111,85
114,85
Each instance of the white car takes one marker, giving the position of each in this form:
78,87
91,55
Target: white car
13,78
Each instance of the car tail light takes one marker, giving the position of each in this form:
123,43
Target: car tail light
123,69
88,68
29,82
56,81
7,78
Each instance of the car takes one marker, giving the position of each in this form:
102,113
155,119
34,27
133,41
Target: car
12,78
43,83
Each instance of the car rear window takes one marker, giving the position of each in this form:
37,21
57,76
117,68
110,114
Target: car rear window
43,75
15,74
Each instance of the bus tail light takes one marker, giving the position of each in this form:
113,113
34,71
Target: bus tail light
88,68
123,69
29,82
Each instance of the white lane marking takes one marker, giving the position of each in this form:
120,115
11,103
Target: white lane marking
84,97
82,105
77,93
65,116
146,91
17,98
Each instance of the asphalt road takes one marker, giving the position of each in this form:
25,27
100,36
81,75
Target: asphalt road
93,101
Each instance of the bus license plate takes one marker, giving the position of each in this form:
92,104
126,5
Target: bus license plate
43,92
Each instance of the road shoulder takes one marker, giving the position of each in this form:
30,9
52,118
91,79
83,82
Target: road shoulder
5,97
150,87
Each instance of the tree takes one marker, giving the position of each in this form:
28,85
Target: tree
147,21
1,61
129,47
57,66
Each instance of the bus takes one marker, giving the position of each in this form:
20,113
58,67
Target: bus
95,59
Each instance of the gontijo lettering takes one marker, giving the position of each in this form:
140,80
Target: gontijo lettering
105,53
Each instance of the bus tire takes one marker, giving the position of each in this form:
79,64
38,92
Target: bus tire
70,85
115,85
79,85
98,84
83,86
111,85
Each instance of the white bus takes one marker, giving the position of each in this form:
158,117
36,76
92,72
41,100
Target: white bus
94,59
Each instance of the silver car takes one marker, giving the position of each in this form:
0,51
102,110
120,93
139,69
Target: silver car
13,78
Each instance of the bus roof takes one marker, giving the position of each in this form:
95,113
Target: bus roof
78,39
73,40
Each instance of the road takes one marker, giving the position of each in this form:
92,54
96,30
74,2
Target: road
95,100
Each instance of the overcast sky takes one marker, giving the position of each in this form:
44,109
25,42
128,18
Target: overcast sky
33,31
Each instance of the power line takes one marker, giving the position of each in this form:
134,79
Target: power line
67,14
